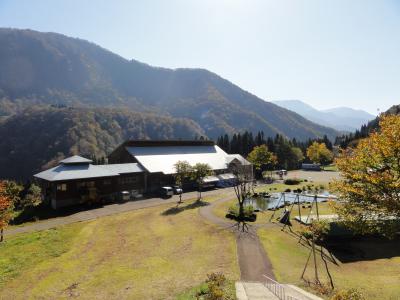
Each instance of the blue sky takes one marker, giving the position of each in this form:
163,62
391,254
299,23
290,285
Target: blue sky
326,53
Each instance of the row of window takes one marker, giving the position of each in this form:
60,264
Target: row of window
90,184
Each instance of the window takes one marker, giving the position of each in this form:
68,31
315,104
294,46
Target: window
128,180
107,181
62,187
85,184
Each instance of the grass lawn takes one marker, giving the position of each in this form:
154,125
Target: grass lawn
21,253
152,253
374,270
331,168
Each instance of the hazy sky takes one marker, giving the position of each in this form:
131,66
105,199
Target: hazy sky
326,53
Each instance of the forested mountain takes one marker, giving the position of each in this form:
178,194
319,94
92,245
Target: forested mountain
340,118
51,68
351,139
38,137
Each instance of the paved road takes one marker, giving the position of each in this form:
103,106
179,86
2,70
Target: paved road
253,261
107,210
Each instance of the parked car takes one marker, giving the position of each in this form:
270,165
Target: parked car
177,190
166,191
125,196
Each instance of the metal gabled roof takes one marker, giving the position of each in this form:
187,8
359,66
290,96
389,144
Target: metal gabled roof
73,171
241,159
163,158
123,168
76,159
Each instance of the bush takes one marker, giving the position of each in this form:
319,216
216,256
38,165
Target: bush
292,181
233,210
351,294
33,197
215,282
287,190
248,210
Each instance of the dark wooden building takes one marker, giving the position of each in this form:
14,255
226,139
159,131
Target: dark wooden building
77,181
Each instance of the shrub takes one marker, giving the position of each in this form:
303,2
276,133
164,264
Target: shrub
248,210
351,294
233,210
292,181
33,197
215,282
287,190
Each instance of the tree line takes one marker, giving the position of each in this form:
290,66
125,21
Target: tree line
289,153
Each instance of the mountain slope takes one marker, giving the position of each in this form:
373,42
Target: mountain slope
54,69
39,137
352,139
340,118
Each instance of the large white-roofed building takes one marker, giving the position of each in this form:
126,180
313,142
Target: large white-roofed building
158,158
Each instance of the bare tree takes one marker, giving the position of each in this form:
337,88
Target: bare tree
244,187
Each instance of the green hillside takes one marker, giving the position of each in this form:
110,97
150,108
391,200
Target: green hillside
39,137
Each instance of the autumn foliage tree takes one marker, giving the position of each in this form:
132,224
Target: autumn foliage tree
261,157
370,184
318,153
6,208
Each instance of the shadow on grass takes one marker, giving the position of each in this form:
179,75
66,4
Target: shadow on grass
45,212
364,248
178,209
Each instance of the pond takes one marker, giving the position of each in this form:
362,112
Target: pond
279,200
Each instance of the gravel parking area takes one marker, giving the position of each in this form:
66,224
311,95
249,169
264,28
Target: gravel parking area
316,176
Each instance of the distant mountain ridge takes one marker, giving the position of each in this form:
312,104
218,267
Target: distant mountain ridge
340,118
352,139
61,96
49,68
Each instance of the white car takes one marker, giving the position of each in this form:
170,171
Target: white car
177,190
167,191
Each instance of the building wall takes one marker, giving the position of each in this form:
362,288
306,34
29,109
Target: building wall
121,156
91,191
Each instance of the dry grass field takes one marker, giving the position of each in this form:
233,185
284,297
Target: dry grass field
153,253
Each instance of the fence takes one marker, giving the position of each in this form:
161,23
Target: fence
277,289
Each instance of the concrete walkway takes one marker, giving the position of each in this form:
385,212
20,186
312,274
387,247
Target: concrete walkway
253,261
253,291
107,210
